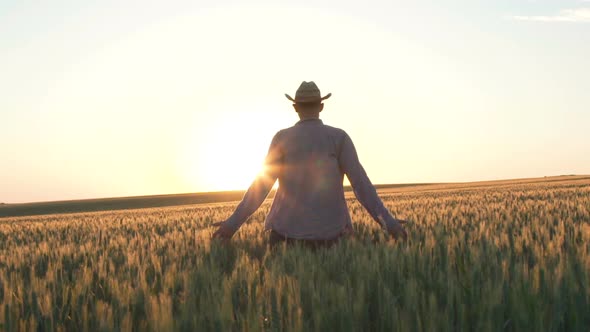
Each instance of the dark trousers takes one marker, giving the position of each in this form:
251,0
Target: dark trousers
276,239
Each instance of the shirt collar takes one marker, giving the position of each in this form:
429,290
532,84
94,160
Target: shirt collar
310,121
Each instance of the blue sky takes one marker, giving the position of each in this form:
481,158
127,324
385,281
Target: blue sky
108,99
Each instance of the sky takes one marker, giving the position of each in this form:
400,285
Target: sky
124,98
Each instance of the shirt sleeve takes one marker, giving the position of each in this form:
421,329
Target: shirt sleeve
259,189
361,184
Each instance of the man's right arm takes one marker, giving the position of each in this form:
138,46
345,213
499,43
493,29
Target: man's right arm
364,190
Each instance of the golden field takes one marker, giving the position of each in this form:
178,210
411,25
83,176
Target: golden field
510,255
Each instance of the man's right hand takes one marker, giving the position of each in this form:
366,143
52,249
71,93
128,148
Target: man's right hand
396,229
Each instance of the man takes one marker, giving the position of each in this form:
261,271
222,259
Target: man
310,160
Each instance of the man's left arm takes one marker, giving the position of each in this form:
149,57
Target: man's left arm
256,193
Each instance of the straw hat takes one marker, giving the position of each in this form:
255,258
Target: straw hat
308,92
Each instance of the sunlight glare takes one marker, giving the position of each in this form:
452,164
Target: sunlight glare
228,153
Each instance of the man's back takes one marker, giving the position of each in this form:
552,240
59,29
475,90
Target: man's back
309,203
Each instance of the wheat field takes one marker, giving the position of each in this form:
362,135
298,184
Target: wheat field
510,256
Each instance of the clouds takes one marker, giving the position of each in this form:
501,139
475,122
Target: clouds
576,15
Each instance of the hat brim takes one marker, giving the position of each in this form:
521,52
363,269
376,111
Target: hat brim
311,100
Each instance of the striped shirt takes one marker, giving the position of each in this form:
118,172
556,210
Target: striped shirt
310,160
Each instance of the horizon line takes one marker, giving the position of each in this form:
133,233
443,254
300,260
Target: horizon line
347,188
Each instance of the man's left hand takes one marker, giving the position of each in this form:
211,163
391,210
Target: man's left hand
224,232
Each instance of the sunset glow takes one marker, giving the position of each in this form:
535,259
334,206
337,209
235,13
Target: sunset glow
103,99
231,151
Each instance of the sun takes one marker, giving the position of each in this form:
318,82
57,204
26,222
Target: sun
227,150
234,156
